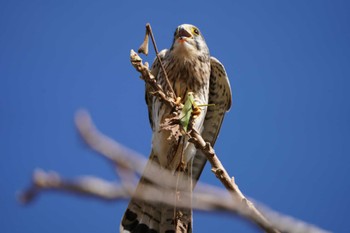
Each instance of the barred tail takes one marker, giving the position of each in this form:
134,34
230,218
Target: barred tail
142,217
156,217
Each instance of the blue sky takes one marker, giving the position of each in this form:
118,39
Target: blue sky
286,138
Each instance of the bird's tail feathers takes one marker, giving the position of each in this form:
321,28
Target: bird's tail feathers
156,216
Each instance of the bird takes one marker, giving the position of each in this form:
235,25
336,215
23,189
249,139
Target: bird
189,68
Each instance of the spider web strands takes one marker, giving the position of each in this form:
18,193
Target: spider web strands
205,197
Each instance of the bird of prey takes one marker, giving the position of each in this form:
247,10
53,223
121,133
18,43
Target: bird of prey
189,68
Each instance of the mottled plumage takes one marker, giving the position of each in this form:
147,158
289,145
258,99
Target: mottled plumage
189,68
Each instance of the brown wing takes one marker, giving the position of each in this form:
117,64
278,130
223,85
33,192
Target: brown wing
219,95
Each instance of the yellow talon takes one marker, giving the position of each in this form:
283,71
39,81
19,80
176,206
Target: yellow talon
196,112
178,101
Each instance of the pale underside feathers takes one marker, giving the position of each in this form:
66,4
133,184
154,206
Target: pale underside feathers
189,68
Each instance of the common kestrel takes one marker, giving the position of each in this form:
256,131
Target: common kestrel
189,68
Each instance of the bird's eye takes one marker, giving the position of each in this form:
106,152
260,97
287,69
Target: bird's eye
195,31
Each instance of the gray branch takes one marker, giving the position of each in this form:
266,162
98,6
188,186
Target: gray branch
205,197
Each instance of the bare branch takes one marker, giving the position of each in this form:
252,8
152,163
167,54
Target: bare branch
205,147
107,147
205,197
149,31
220,172
87,186
146,75
130,164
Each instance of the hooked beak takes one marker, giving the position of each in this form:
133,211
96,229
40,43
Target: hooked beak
183,33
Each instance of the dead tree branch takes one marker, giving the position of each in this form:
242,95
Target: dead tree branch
129,165
148,77
205,147
205,197
86,186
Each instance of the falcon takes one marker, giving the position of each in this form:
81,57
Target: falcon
189,68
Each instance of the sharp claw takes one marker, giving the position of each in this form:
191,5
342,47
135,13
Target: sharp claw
196,111
178,101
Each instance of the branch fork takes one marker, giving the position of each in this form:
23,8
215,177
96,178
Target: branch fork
173,126
128,164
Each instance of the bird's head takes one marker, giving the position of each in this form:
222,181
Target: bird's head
188,40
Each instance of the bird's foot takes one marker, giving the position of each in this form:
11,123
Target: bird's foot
196,111
178,101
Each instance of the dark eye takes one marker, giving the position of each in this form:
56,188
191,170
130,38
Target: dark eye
195,30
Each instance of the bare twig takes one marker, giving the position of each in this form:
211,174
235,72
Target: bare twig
120,155
147,76
205,197
149,30
129,163
220,172
87,186
205,147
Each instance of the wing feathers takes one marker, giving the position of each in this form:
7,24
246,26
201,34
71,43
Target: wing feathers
219,95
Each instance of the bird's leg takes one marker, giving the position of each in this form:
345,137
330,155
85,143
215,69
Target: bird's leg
178,101
196,110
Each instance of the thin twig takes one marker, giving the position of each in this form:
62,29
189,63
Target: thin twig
205,197
220,172
207,150
149,29
148,77
86,186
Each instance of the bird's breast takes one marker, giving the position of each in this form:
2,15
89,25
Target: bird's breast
188,75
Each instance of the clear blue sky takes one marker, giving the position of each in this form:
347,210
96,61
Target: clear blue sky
286,139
